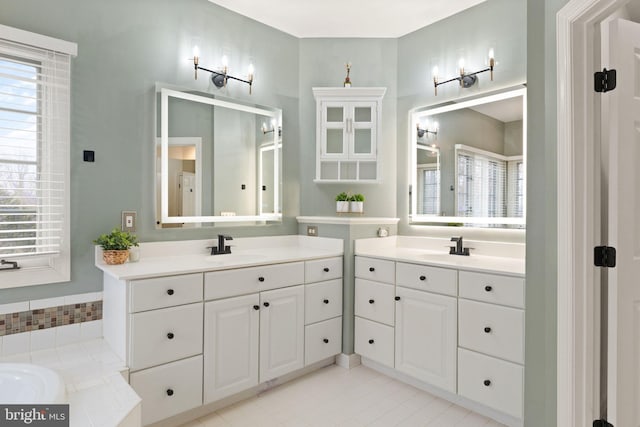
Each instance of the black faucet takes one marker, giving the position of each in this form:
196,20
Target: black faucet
458,249
221,249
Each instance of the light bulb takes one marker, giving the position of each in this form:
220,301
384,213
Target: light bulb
435,72
225,61
491,54
461,65
436,126
196,51
251,71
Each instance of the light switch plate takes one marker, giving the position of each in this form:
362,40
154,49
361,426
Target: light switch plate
128,222
312,230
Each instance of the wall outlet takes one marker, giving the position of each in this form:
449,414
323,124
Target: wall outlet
128,221
383,232
312,230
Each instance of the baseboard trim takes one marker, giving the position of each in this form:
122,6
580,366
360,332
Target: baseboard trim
348,361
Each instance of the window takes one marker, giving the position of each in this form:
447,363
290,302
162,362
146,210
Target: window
34,158
430,184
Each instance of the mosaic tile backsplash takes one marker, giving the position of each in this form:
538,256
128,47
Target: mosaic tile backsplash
31,320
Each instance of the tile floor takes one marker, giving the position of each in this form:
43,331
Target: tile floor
337,397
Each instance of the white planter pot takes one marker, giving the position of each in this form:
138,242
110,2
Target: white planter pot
357,207
342,207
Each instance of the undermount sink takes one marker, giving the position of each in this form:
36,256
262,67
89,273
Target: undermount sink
235,258
26,383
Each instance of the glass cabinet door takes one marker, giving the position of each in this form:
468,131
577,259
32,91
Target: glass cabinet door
334,124
363,129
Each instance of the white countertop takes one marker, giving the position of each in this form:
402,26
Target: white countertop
486,257
182,257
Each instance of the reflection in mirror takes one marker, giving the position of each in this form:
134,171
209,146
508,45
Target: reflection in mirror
469,163
217,160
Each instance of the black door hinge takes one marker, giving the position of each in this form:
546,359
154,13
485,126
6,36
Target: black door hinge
601,423
604,256
604,80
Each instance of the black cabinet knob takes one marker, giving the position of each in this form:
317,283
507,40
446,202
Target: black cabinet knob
266,304
371,341
326,269
487,383
260,279
256,307
371,301
423,278
169,392
371,269
326,301
170,335
488,288
326,341
170,292
397,298
487,329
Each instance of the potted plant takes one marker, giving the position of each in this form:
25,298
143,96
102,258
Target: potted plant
115,246
356,203
342,202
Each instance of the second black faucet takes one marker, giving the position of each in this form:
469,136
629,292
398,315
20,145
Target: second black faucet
221,249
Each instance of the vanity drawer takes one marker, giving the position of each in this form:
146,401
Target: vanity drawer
375,269
490,381
161,336
491,329
504,290
425,278
322,301
322,269
322,340
375,301
160,292
169,389
229,283
374,341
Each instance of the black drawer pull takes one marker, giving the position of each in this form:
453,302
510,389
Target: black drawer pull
488,288
487,383
326,269
169,392
326,301
487,329
170,335
326,341
169,291
260,279
266,304
371,301
371,341
397,298
371,269
423,278
256,307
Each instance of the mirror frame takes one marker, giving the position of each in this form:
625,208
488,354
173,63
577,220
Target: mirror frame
420,112
275,114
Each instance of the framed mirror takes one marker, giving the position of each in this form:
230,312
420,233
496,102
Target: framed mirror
217,160
468,162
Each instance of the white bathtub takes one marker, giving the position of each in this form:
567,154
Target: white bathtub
24,383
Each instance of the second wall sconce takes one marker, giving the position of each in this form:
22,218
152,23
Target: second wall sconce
465,79
422,132
220,78
266,130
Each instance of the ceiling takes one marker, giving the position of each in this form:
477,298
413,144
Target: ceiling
347,18
506,110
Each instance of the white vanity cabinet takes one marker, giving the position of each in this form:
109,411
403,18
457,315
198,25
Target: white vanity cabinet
348,130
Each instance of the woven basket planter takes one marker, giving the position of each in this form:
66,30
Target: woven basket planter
115,257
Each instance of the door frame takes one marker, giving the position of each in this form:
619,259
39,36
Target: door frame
578,222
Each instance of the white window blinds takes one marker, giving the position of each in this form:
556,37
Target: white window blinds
482,185
34,154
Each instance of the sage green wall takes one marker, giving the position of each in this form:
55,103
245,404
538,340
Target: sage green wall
124,47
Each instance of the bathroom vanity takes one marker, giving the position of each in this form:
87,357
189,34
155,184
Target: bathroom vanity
195,329
453,325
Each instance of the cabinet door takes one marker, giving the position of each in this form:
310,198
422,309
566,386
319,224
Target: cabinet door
361,130
334,130
281,331
426,331
230,346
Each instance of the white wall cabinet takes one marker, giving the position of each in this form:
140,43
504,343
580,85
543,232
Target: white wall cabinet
348,134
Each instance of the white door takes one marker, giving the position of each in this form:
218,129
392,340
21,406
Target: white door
426,331
281,331
188,194
623,377
230,346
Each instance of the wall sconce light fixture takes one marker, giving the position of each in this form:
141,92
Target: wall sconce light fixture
465,79
423,132
220,78
266,130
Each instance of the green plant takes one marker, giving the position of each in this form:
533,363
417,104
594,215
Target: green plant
116,240
342,197
357,198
